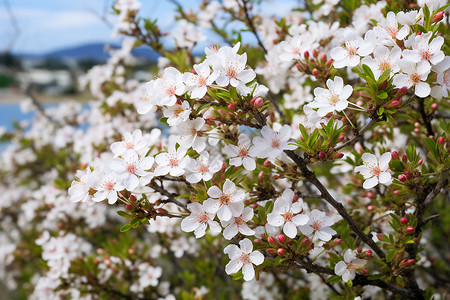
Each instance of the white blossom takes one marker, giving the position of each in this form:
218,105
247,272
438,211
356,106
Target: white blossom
226,202
243,257
347,267
375,171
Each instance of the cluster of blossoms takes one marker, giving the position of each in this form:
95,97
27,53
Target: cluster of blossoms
238,178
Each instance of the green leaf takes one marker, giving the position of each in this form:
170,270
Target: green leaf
384,76
368,71
390,255
124,214
125,228
441,9
382,95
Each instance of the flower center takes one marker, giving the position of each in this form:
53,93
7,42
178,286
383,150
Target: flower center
245,258
333,99
170,90
173,162
317,225
132,168
239,221
203,218
384,65
425,54
201,81
243,152
288,216
203,169
109,185
224,199
392,31
376,171
129,145
276,143
351,266
231,72
415,78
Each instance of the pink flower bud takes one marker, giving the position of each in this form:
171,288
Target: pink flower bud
258,102
129,207
231,107
306,54
295,198
323,58
272,241
359,249
402,178
271,251
416,124
364,271
305,240
260,175
255,205
315,53
338,241
256,241
315,72
408,174
404,220
441,140
321,155
132,198
395,103
409,229
396,192
395,155
416,240
401,92
383,85
437,17
329,62
370,194
403,262
266,163
434,106
420,161
281,238
253,100
339,155
369,252
370,207
404,158
235,168
281,252
416,130
341,137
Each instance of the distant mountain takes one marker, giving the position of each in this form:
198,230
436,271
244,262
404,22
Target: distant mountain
95,51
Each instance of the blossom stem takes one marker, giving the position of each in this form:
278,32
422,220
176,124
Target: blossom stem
357,135
348,119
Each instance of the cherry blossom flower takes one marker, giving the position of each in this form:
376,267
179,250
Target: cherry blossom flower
414,75
424,50
107,187
387,30
375,171
170,85
383,59
318,226
443,79
148,275
199,220
238,224
286,214
191,134
229,68
332,99
177,114
347,267
147,103
272,143
294,47
197,82
239,155
225,203
171,162
80,189
204,167
353,48
130,141
243,257
129,167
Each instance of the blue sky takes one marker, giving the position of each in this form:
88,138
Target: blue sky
47,25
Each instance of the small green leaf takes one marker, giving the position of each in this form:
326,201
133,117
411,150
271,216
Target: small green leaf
125,228
390,255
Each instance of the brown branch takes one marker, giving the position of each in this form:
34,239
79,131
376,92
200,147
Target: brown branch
252,26
425,117
358,134
170,196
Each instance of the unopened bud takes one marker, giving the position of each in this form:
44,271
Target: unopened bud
403,262
305,240
370,207
272,241
401,92
255,205
396,192
339,241
402,178
315,53
359,249
132,198
420,161
404,220
441,140
315,72
395,155
364,271
341,137
409,229
438,17
411,261
258,102
281,238
416,124
369,252
129,207
299,67
271,251
383,85
306,54
434,106
416,130
260,175
416,240
408,174
231,107
370,194
295,198
281,252
321,155
256,241
339,155
404,158
267,163
329,62
323,58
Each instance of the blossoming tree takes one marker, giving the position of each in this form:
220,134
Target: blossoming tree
310,164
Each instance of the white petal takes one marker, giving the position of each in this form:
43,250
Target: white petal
257,258
246,246
370,183
340,268
233,266
290,229
248,271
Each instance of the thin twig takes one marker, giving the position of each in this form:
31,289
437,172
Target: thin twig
252,26
358,134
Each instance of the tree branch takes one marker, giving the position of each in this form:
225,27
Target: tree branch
252,26
358,134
